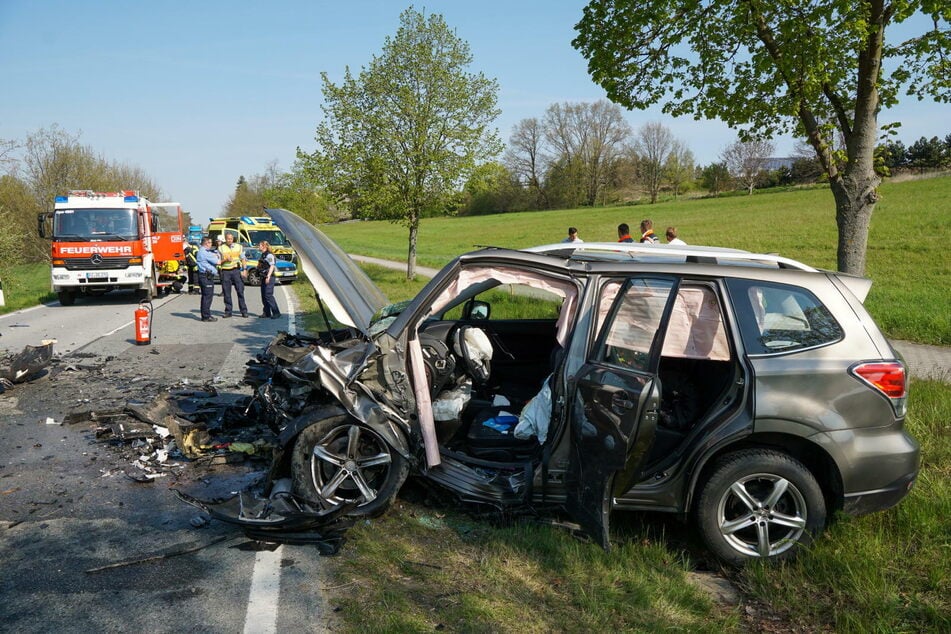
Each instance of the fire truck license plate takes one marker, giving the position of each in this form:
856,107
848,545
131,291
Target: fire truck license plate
97,275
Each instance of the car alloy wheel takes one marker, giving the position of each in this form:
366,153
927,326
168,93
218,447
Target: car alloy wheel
759,504
344,462
762,515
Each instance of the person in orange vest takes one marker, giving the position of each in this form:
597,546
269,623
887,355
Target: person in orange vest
647,232
624,233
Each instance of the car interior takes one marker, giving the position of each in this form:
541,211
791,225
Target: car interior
479,395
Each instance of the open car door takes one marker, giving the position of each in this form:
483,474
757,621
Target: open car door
614,410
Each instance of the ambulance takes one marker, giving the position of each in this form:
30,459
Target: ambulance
249,231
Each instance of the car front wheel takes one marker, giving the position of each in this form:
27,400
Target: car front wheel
342,461
760,504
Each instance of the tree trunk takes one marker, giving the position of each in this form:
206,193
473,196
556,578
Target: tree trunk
411,256
855,198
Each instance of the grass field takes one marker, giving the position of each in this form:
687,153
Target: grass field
908,259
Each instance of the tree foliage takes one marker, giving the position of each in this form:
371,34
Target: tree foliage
45,164
814,69
716,178
679,166
398,140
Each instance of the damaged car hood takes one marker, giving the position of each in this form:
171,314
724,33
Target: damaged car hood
345,289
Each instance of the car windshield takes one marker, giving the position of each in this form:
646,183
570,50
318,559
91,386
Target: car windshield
95,224
274,237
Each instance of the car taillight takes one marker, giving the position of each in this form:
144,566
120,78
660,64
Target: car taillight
888,378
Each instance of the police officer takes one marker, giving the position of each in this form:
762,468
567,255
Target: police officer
207,261
232,274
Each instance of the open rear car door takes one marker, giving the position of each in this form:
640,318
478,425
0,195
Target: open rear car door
614,410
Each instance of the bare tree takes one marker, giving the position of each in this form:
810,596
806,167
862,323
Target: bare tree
747,159
608,134
653,144
524,157
566,140
584,140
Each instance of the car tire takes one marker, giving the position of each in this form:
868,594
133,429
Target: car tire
342,461
66,298
738,518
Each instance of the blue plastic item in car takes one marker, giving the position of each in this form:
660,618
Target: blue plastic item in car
502,423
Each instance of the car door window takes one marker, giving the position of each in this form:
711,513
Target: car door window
778,318
633,322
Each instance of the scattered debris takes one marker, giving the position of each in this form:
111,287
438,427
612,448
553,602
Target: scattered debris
281,517
26,365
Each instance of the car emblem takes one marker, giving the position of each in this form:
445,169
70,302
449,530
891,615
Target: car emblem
96,259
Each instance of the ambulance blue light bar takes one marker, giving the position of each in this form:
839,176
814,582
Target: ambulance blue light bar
131,199
248,220
61,199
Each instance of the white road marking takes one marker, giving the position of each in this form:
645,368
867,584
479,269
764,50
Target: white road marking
291,314
111,332
264,597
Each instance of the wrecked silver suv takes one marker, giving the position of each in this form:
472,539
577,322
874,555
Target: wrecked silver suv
749,392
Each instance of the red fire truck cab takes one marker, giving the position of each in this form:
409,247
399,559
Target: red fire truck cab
103,241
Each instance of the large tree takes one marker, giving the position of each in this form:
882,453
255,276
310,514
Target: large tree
813,68
398,140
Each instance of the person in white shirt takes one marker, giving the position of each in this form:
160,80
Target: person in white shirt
572,235
672,236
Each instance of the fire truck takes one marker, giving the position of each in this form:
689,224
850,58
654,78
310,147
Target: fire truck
104,241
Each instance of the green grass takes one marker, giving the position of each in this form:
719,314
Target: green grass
908,257
417,570
26,285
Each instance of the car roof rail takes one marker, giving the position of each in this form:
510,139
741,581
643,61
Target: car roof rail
690,254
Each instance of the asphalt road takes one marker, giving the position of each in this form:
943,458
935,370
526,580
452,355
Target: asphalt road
67,508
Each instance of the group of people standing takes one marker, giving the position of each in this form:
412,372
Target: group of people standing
624,234
228,262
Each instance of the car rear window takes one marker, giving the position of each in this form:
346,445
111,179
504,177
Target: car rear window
776,318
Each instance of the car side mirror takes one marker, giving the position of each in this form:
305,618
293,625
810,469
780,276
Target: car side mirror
476,310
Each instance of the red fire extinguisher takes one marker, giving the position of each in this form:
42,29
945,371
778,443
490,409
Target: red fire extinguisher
143,323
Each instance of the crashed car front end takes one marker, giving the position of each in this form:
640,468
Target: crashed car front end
300,380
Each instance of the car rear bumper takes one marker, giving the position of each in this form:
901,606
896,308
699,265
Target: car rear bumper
865,502
878,465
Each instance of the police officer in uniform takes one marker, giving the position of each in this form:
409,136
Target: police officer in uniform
232,274
208,261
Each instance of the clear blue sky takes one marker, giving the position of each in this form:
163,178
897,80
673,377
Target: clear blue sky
199,93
